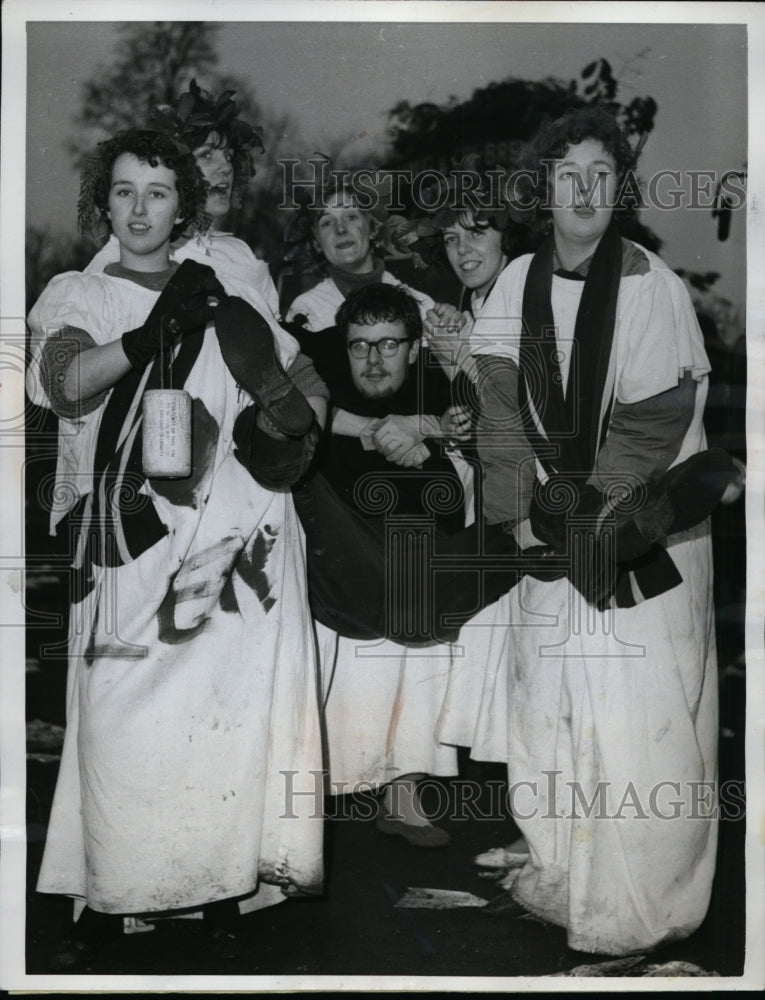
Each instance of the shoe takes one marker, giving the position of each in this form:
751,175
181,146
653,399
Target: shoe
247,345
682,498
418,836
83,942
501,858
276,463
504,905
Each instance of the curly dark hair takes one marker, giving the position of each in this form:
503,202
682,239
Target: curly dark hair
380,304
148,146
553,140
482,204
516,238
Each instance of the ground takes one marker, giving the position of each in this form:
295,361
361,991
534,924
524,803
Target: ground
355,928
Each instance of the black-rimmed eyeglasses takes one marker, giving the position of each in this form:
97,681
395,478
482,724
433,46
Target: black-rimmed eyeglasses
386,348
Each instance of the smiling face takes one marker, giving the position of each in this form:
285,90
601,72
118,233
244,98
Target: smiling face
343,233
143,209
582,193
216,164
475,254
376,376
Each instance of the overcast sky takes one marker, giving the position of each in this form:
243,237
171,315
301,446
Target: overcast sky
339,80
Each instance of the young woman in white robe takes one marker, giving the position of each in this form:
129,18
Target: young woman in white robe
478,244
191,684
612,700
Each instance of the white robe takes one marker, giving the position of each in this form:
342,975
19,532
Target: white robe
320,303
620,704
192,713
249,276
383,701
473,713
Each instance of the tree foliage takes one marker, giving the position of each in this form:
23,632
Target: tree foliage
152,64
500,118
496,122
48,254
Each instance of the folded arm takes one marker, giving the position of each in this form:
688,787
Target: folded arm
76,372
645,438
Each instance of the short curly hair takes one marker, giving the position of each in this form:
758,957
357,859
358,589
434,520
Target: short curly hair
552,142
381,303
472,197
148,146
301,234
516,238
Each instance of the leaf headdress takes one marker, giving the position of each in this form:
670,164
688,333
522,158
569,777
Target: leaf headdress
197,113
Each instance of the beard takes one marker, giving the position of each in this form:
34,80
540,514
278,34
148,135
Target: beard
383,392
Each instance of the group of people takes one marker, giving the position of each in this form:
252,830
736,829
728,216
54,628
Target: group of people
408,527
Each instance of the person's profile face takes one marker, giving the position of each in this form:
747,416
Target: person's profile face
385,368
215,161
583,187
343,234
475,254
143,209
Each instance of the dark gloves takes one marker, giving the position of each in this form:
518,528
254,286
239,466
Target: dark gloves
182,307
552,504
558,500
587,558
617,533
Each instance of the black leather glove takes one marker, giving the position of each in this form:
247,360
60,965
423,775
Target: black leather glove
557,500
590,565
182,307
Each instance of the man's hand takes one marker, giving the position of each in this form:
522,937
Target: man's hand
397,435
400,439
414,458
455,423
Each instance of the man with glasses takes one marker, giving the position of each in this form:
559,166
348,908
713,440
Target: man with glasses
389,494
394,444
